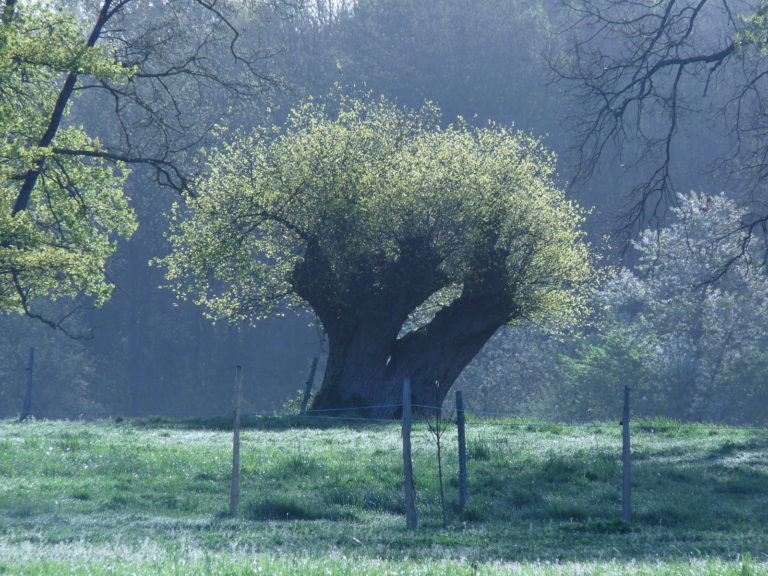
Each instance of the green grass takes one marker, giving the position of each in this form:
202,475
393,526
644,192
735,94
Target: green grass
320,497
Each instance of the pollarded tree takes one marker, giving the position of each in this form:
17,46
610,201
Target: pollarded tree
411,243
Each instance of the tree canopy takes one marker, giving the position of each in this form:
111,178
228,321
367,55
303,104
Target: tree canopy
411,242
698,337
53,243
689,345
146,72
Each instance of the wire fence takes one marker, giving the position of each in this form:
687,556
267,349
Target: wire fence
360,414
499,436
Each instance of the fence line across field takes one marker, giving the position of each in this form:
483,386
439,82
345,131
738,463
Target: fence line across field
512,419
407,413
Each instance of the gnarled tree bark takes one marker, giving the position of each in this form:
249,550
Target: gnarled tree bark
368,357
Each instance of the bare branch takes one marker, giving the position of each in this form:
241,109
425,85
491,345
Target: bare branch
171,174
55,324
634,65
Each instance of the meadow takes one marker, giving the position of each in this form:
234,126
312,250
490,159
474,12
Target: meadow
150,497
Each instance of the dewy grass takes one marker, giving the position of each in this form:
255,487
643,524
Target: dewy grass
151,498
340,566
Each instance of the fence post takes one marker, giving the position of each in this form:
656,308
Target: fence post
234,491
626,462
462,450
308,387
411,516
27,406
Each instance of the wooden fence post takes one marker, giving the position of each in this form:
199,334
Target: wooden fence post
26,409
234,491
411,516
308,387
462,450
626,457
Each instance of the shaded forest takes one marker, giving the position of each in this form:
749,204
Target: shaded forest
672,181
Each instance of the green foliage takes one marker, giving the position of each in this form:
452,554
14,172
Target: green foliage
697,314
357,191
595,371
57,246
754,33
685,328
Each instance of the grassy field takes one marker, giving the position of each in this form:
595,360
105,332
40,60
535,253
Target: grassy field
320,497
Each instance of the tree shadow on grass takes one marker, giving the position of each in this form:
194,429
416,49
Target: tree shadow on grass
714,503
270,423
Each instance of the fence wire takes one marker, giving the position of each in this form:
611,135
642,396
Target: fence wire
422,411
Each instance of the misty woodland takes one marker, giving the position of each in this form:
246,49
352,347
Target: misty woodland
352,210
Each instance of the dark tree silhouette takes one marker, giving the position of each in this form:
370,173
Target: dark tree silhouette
642,71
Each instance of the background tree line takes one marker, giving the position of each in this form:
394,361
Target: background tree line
492,59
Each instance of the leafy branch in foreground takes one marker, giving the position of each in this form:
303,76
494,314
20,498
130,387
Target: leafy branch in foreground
146,73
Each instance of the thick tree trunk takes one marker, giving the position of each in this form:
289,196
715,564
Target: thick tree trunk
363,316
435,355
355,374
366,367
